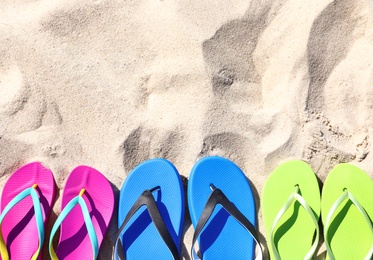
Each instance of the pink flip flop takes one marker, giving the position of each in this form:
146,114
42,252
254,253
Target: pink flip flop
86,210
26,202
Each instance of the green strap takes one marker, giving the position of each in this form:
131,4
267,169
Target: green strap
345,195
295,196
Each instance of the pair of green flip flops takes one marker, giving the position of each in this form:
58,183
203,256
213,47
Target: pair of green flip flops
291,206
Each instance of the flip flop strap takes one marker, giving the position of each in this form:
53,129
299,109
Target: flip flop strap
87,220
38,217
295,196
345,195
218,197
147,199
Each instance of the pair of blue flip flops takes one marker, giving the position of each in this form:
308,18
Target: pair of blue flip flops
221,206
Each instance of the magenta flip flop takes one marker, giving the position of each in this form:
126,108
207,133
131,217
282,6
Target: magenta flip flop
86,210
26,203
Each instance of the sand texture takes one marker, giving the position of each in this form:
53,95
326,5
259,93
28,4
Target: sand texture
110,83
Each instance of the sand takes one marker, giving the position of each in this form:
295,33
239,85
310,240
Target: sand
111,83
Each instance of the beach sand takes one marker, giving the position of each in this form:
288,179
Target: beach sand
111,83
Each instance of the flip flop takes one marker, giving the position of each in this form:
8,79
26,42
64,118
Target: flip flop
151,212
222,210
26,203
291,209
347,213
83,226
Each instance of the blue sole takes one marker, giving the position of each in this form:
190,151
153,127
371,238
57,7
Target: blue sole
140,238
223,237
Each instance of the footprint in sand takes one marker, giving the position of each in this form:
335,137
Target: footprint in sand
23,107
342,18
238,101
13,92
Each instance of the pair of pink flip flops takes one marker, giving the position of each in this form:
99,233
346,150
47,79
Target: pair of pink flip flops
26,204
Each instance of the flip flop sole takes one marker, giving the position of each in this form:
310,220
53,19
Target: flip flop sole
348,234
19,226
223,237
140,238
293,234
74,242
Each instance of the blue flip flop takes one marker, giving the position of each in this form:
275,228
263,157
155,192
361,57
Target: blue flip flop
222,210
151,212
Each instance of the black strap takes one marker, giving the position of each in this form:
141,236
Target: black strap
218,197
147,199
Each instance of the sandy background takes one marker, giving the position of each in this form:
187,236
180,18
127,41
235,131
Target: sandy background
111,83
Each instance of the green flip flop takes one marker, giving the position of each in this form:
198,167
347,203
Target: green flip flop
347,213
291,210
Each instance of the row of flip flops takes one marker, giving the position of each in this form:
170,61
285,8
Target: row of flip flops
221,206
